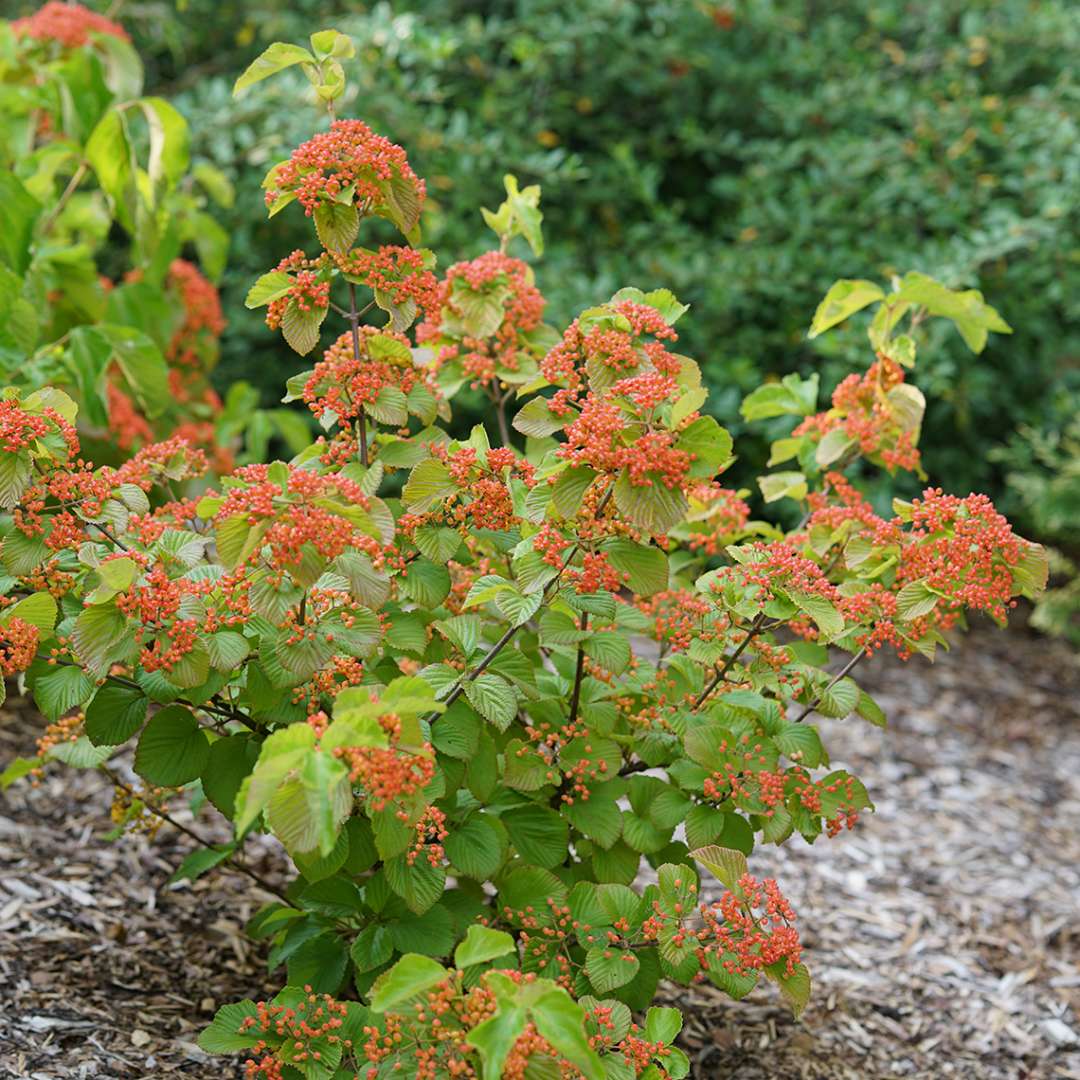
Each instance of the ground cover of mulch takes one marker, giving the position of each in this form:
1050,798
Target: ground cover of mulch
943,933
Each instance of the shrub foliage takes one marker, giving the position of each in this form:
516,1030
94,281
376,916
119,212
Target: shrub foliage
518,711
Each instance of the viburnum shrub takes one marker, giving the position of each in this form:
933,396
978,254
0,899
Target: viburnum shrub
502,705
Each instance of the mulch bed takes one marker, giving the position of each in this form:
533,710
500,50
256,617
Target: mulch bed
943,933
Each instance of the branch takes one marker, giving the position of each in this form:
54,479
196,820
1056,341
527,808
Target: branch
72,184
459,686
755,628
575,697
361,420
231,860
817,701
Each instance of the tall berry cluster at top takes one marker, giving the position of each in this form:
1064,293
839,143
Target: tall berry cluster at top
502,705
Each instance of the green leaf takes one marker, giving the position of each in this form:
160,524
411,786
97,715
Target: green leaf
200,861
110,154
223,1035
783,485
476,848
915,600
277,57
269,287
332,44
493,698
610,650
531,887
824,613
229,764
645,567
407,979
227,649
372,948
19,211
59,689
426,582
967,310
307,813
654,507
402,204
569,489
320,962
457,732
15,474
537,421
419,884
334,897
495,1038
726,864
337,225
300,327
838,700
172,750
519,214
802,743
38,610
431,934
168,158
710,444
833,447
428,484
80,754
100,634
315,866
482,944
142,365
609,968
560,1020
842,300
518,607
115,714
437,543
795,987
870,710
539,834
662,1024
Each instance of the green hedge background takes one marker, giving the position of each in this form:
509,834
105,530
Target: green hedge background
744,154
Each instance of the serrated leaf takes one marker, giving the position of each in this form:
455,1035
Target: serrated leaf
275,58
300,328
337,225
609,968
493,698
725,863
269,287
172,750
224,1035
115,714
482,944
409,977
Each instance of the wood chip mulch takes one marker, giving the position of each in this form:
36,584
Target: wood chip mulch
943,933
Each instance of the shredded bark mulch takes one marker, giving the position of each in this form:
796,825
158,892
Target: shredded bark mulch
943,933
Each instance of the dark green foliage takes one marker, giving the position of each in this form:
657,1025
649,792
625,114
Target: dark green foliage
744,165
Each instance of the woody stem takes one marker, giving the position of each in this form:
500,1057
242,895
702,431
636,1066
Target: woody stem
361,419
230,860
575,697
808,709
500,415
721,672
459,686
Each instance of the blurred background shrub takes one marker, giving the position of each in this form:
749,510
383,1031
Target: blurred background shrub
744,154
